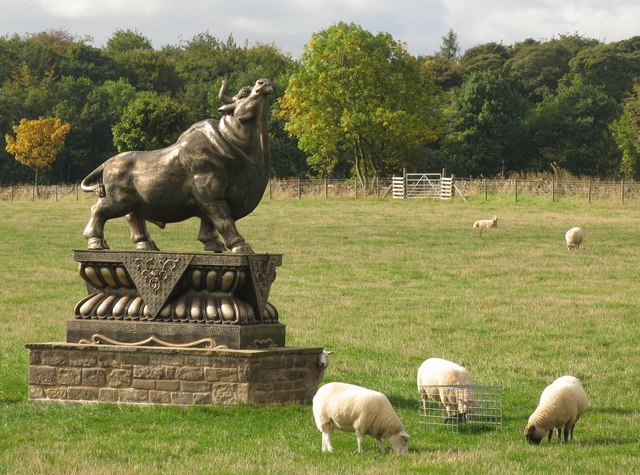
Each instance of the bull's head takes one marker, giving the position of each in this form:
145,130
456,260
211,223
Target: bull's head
236,104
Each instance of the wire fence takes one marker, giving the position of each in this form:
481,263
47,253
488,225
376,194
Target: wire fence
622,191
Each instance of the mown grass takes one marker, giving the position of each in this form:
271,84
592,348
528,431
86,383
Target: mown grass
384,284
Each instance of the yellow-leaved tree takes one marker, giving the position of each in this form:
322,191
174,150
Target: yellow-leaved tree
37,142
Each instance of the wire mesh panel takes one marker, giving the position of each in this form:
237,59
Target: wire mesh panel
456,405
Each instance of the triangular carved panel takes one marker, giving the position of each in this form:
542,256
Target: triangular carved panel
263,273
156,275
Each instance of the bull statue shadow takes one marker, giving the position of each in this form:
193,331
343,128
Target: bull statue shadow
217,171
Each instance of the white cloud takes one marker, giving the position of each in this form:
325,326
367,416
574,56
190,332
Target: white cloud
510,21
95,8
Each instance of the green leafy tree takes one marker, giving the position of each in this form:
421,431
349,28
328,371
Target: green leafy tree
612,68
483,57
37,142
82,60
537,68
149,122
363,94
571,130
626,132
123,41
444,72
484,127
449,48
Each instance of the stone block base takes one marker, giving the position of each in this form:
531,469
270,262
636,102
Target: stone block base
177,376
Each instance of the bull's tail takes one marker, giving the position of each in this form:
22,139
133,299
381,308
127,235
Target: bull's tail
97,188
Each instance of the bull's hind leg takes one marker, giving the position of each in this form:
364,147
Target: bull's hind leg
209,237
139,233
94,230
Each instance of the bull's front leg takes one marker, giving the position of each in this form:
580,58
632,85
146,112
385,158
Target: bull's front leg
209,237
220,216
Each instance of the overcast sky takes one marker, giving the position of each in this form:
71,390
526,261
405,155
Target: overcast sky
289,24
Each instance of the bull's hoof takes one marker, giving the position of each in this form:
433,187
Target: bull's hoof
242,248
97,244
214,246
147,246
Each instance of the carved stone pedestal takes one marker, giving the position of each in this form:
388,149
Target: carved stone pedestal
147,298
161,328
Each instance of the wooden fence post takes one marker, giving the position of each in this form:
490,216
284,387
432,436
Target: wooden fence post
553,190
622,191
299,191
12,192
355,182
404,183
326,187
56,192
516,187
77,192
484,185
589,190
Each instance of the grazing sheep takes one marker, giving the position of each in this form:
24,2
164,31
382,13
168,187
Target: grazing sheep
573,238
483,224
323,359
458,401
561,404
356,409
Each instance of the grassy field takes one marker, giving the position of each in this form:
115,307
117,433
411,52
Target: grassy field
384,285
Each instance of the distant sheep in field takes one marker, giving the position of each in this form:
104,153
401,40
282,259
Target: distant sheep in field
483,224
573,238
561,404
356,409
458,401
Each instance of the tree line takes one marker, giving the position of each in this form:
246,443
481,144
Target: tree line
354,104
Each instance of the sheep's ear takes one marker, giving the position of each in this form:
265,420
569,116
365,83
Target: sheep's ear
529,430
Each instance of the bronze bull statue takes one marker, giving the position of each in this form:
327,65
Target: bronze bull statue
216,171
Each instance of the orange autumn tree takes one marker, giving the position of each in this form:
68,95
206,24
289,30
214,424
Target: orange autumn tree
37,142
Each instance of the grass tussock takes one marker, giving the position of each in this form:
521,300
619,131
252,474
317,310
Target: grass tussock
384,284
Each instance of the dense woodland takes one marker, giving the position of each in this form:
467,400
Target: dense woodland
354,104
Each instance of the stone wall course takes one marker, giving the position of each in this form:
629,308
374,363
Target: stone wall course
147,375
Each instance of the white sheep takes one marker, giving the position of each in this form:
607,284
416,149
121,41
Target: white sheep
573,238
356,409
561,404
323,359
449,384
483,224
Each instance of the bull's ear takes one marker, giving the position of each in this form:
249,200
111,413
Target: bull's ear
530,429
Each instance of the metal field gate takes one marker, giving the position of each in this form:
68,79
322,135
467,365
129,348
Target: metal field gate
422,185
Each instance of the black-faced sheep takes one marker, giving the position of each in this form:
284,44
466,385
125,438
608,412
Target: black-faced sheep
573,238
483,224
356,409
561,404
449,384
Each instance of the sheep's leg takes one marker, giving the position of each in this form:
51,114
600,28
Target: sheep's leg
550,434
380,445
571,430
326,441
360,438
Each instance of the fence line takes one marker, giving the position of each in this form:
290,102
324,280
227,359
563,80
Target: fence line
622,191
